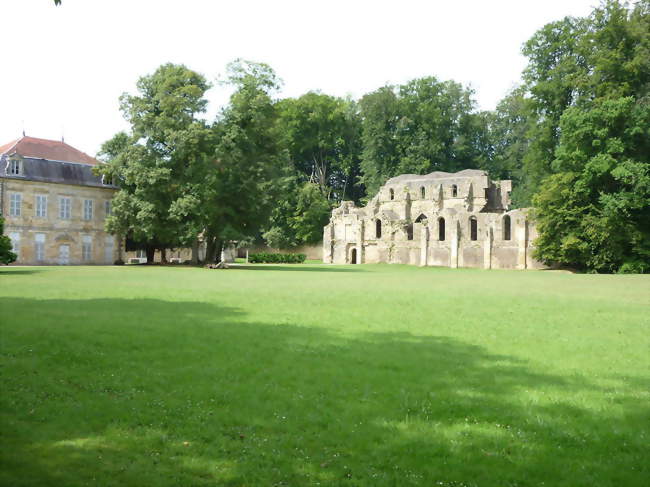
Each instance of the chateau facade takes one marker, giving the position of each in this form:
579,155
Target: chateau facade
441,219
53,205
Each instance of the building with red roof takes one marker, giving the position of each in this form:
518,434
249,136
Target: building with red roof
54,204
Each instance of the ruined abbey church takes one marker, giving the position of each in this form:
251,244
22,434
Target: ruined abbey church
458,219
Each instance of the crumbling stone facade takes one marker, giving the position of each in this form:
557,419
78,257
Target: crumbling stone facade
441,219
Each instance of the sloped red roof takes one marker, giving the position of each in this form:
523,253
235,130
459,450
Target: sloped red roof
53,150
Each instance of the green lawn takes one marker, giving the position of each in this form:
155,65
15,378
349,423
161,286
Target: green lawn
323,375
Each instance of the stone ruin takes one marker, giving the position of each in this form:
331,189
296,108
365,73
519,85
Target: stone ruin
458,219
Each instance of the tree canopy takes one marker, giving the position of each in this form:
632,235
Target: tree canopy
419,127
573,136
590,84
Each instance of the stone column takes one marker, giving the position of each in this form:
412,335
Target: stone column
522,242
424,244
455,241
328,248
360,241
487,249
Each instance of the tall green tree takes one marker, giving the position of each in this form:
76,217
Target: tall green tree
240,192
419,127
162,158
594,208
322,136
6,255
509,128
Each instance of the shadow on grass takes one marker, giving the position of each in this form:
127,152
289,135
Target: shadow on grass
296,267
148,392
13,271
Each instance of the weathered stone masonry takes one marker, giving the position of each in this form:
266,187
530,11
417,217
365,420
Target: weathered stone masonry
442,219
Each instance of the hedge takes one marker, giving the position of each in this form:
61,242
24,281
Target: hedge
268,258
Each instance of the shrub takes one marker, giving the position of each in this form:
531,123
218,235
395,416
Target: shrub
118,262
269,258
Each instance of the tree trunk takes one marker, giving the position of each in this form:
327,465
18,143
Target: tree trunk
163,256
195,252
210,250
151,252
218,250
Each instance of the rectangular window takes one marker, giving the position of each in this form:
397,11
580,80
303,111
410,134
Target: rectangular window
15,242
88,209
109,245
39,245
86,248
41,205
65,206
107,207
15,203
14,167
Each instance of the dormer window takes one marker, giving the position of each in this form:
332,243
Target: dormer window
106,179
14,168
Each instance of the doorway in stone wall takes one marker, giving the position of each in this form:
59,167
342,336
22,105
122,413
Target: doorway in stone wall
353,256
64,254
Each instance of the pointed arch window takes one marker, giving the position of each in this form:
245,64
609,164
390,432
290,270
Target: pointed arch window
423,192
441,229
507,231
473,228
421,218
391,193
454,191
378,229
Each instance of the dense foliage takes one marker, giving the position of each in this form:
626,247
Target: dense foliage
574,137
593,210
425,125
161,163
272,258
6,255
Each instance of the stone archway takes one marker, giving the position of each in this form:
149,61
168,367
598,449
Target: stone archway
353,256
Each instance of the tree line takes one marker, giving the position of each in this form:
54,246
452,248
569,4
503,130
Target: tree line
574,137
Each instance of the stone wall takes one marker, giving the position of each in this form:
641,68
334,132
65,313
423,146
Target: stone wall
456,220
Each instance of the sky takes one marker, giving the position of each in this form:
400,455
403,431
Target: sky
65,67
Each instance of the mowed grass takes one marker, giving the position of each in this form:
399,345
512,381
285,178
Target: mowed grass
323,375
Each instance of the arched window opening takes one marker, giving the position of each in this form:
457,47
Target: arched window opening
353,256
409,232
378,229
506,228
391,192
473,228
423,192
454,190
441,229
421,218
